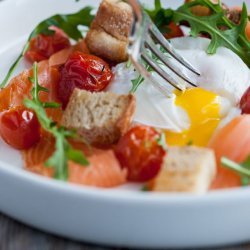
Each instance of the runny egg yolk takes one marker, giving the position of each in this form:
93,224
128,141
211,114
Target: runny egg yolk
203,109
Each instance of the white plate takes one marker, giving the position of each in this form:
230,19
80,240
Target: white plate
118,217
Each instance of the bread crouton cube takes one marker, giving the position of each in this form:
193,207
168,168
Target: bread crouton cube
100,118
109,31
106,46
186,169
115,17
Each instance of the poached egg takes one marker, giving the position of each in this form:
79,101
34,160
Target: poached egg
191,116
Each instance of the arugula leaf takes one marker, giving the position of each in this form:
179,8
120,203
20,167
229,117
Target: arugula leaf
161,141
160,16
218,8
64,151
233,37
245,180
136,83
145,188
68,23
242,169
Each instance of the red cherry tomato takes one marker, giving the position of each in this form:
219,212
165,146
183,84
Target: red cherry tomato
19,128
174,31
139,152
44,46
83,71
245,102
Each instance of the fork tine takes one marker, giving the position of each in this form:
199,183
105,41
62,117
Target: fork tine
138,51
161,72
166,45
163,58
142,69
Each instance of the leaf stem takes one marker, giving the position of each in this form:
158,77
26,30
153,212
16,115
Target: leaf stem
228,22
36,89
68,23
13,66
63,149
235,166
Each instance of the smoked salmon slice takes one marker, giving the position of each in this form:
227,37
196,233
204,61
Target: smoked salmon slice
20,86
37,155
61,57
233,142
104,169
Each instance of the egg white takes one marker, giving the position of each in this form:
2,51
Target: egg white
223,73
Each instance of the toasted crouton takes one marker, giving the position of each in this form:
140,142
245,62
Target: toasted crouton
109,32
100,118
115,17
106,46
186,169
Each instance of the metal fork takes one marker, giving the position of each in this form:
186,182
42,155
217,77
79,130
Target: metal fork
145,37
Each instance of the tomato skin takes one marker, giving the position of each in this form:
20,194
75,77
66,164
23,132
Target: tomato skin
83,71
43,46
174,31
245,102
19,128
139,153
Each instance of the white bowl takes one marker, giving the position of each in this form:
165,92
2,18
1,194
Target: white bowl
118,217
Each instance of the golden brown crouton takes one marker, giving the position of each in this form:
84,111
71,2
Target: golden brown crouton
109,32
100,118
186,169
115,17
106,46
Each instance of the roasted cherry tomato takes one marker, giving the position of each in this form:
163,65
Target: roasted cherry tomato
139,152
19,128
83,71
173,31
43,46
245,102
